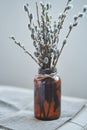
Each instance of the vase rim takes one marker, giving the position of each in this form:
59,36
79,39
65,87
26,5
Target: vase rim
47,70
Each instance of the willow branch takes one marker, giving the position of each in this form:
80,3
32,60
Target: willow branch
64,15
70,29
21,46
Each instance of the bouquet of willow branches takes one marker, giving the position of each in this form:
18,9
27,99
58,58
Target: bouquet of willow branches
45,36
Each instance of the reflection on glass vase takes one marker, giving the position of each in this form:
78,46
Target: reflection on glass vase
47,95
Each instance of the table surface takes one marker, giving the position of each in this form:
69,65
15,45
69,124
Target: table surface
79,122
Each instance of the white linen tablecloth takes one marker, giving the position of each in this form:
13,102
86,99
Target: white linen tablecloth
17,113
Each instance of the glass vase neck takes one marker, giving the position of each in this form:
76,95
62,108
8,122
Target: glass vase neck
47,70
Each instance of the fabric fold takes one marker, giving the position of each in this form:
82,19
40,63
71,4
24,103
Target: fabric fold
23,118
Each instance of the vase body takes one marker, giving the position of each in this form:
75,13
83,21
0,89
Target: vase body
47,95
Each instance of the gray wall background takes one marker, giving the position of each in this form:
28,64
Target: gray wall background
18,69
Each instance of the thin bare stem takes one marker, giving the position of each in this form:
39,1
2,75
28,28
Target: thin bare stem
59,54
37,15
61,50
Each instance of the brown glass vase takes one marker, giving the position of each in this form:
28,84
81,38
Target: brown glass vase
47,95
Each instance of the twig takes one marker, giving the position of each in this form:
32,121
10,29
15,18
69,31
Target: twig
64,42
70,29
37,15
75,23
19,44
45,38
63,16
68,2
